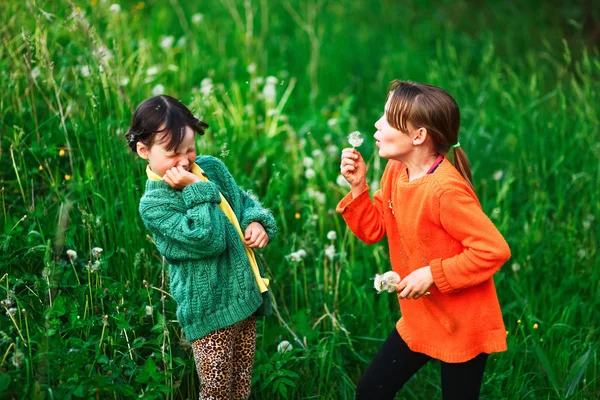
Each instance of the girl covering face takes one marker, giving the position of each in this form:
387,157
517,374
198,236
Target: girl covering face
207,228
441,243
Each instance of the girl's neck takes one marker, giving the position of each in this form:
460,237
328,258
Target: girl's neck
418,165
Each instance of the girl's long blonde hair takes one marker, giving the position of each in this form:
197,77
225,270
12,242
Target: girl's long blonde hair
432,108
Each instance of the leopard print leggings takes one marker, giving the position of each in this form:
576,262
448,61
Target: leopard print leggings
224,360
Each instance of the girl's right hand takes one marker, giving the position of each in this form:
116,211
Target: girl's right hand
179,178
354,170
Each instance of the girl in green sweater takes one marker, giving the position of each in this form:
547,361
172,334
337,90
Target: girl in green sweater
206,227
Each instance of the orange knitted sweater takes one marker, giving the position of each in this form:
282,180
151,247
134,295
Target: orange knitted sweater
437,220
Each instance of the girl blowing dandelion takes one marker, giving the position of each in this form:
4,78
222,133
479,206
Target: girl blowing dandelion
441,243
197,214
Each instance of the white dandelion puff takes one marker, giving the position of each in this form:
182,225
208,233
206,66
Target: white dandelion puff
197,18
332,122
498,175
72,254
96,251
331,235
284,346
158,89
167,42
115,8
153,70
148,311
516,267
355,139
307,162
310,173
386,282
330,251
85,71
35,72
341,181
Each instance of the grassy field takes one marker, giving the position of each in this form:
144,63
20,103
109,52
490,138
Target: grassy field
281,84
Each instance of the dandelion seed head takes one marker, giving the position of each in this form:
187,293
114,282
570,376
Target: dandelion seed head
516,267
355,139
158,89
72,254
35,72
498,175
341,181
332,122
197,18
153,70
148,311
330,251
166,42
96,251
85,71
284,346
331,235
307,162
310,173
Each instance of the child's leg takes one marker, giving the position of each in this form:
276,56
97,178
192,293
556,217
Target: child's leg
243,359
463,380
393,365
213,355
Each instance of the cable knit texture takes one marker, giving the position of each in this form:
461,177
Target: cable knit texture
211,278
437,220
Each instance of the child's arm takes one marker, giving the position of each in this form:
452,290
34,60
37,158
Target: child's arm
253,211
194,229
485,250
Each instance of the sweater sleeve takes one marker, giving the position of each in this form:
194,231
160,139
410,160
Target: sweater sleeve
195,229
251,209
364,218
484,248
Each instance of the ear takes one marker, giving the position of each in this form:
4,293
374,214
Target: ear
419,136
142,150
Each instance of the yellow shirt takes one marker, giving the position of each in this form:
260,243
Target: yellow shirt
228,211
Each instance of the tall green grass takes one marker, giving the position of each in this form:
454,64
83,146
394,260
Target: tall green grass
103,325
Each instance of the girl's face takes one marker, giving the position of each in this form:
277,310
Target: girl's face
392,143
161,160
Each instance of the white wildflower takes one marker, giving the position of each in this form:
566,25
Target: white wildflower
11,311
330,251
115,8
158,89
333,150
252,68
96,251
269,89
148,311
301,253
124,81
498,175
316,195
386,282
284,346
355,139
310,173
153,70
72,254
167,42
206,86
173,67
587,222
332,122
316,153
581,253
104,53
307,162
85,71
17,358
96,266
35,72
331,235
197,18
516,267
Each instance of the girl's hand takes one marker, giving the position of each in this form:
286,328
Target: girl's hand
179,178
256,236
354,170
415,284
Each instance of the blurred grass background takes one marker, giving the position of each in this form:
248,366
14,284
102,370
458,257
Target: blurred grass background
281,84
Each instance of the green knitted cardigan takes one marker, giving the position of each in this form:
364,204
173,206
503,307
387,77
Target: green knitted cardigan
211,278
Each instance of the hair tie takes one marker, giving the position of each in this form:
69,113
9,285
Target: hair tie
455,146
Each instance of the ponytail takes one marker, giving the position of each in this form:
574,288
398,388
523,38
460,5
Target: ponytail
461,163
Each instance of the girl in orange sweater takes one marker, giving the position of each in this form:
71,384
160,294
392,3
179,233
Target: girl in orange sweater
441,243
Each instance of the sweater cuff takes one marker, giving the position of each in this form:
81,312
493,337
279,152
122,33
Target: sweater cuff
263,217
201,192
438,276
348,201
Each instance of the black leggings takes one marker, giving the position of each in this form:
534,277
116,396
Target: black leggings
395,363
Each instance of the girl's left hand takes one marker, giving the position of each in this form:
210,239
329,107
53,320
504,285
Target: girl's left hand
256,236
415,284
